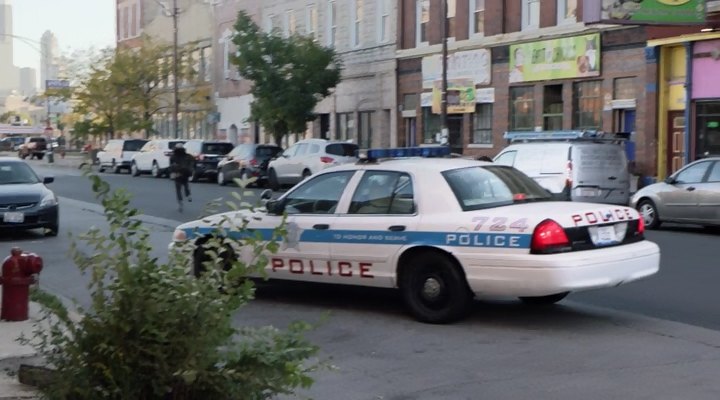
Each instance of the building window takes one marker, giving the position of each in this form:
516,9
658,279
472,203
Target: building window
365,129
331,23
522,108
530,14
482,124
273,23
624,88
383,21
290,23
477,17
432,123
356,16
566,11
422,15
311,21
126,22
552,108
134,20
450,15
587,105
345,126
206,69
226,57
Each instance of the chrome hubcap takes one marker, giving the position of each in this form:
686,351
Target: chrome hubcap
221,177
431,288
647,213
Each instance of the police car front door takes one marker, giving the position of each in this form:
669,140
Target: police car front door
368,237
311,209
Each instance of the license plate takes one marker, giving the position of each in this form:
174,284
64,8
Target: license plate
603,235
588,192
14,217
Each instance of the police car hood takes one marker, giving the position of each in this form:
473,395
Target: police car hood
226,219
567,214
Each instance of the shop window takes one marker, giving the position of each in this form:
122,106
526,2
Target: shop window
345,126
552,108
410,101
432,123
522,108
587,105
624,88
708,129
482,124
365,129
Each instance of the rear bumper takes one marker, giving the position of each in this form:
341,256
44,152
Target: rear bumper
206,168
541,275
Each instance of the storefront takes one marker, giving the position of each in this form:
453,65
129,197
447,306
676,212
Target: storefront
705,99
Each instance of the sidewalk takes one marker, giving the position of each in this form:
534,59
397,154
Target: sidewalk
12,354
71,160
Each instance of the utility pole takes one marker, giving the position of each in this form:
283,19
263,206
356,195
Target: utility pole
445,135
176,69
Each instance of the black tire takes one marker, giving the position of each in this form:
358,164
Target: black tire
649,213
306,174
273,181
434,288
52,229
39,156
156,173
194,177
101,168
134,171
201,255
544,300
115,168
221,178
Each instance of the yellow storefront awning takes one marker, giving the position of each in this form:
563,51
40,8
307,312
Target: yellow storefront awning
692,37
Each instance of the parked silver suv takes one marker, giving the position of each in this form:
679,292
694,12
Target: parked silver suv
307,157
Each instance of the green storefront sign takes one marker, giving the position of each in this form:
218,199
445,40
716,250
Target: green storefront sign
571,57
654,11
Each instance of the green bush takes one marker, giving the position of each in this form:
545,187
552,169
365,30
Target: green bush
153,331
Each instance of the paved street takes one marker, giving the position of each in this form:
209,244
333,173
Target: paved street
503,350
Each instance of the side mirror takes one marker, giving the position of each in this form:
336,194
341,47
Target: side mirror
274,207
266,194
670,180
48,179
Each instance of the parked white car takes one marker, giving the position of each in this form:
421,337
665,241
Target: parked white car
118,154
154,157
306,158
442,231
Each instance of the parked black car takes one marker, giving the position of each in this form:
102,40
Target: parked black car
246,161
207,156
34,147
25,201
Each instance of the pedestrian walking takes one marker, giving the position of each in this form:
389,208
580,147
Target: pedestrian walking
181,168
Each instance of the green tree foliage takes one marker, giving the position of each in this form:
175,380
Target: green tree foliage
290,76
153,331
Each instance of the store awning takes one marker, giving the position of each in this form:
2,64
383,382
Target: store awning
693,37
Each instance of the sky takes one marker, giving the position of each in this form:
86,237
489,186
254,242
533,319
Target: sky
77,24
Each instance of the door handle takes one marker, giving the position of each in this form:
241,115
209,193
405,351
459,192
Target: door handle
397,228
612,178
690,189
321,226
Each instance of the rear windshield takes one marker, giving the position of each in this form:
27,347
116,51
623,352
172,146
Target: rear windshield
216,148
37,140
342,149
492,186
133,145
267,152
172,145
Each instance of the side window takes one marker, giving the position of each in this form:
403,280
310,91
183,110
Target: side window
507,158
148,147
715,173
291,151
302,149
693,174
383,192
314,149
318,195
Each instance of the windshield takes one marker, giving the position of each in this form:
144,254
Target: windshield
243,151
133,145
216,148
12,173
492,186
342,149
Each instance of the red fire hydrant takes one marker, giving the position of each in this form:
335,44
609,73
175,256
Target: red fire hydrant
19,271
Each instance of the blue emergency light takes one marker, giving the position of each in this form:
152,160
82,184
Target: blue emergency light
553,135
407,152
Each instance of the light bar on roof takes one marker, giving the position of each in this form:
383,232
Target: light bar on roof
558,135
405,152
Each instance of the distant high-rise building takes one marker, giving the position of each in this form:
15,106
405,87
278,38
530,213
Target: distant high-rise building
49,61
8,72
28,81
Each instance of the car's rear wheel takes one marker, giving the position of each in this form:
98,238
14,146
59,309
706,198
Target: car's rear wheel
273,182
134,169
221,178
434,288
115,168
306,174
156,170
202,255
544,300
649,214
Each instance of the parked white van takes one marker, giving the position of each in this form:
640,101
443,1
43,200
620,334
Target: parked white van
572,165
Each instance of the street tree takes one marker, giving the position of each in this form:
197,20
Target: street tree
290,75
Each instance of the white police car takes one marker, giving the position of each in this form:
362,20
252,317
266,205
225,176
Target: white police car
444,230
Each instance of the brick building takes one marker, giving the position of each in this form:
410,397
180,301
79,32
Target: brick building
534,65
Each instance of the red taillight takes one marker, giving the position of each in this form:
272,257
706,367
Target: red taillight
549,237
253,162
641,226
327,160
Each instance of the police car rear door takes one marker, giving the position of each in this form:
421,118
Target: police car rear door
369,234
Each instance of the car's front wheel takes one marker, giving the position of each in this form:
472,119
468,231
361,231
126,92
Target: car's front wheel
52,229
273,182
156,170
434,288
221,178
134,169
649,214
